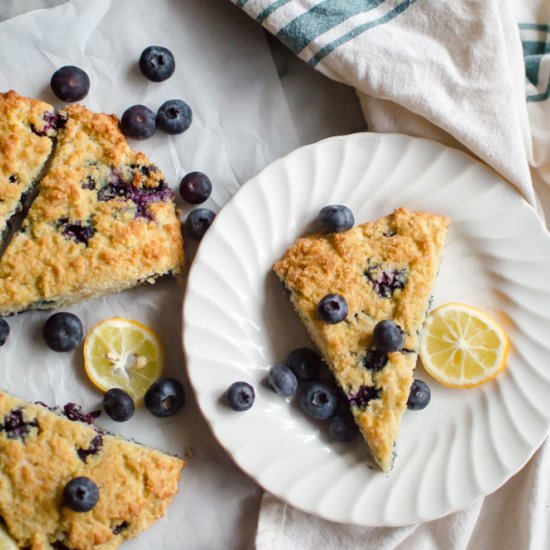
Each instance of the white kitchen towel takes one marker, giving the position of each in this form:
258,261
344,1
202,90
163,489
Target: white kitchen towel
451,71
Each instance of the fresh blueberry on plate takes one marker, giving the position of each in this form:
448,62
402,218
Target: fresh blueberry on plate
336,218
195,187
388,336
138,122
63,331
332,309
4,331
342,428
70,83
419,396
282,381
198,221
174,116
304,363
118,405
80,494
319,400
165,397
157,63
240,396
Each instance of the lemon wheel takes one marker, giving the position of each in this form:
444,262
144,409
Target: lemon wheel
121,353
462,347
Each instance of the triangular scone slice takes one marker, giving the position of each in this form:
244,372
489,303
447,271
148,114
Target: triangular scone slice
384,270
104,220
27,127
41,451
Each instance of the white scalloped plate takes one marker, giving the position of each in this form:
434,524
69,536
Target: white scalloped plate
238,323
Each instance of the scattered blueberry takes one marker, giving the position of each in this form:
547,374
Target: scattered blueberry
138,122
388,336
118,405
4,331
63,331
165,397
304,363
319,400
174,116
195,187
240,396
332,309
157,63
342,428
375,359
70,83
282,380
80,494
420,396
198,221
336,218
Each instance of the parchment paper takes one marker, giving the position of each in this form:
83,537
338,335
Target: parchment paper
241,122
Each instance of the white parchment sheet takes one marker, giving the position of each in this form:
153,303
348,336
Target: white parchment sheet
240,123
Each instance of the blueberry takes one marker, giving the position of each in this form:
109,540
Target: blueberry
198,221
342,428
332,309
4,331
63,331
336,218
388,336
319,400
240,396
157,63
304,363
138,122
165,397
174,116
282,380
118,405
70,83
195,187
375,359
80,494
419,396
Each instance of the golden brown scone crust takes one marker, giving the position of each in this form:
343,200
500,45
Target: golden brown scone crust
349,263
95,184
135,483
25,145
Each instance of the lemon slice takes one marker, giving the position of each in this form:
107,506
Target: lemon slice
6,542
462,346
120,353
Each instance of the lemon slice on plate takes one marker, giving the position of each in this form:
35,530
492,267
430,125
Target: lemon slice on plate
120,353
6,542
462,346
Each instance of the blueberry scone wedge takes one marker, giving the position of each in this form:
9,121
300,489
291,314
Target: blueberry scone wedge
27,129
104,220
42,450
384,270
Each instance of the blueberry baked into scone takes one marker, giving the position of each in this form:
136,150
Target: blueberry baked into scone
382,270
104,220
27,127
65,484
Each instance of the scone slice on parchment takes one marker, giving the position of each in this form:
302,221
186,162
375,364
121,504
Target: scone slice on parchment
384,270
104,220
41,451
27,128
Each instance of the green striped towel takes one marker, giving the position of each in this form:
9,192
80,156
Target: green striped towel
452,71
